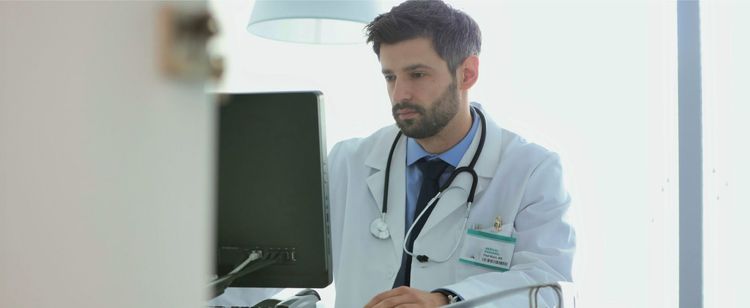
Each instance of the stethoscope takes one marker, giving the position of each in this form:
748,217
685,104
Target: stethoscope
379,228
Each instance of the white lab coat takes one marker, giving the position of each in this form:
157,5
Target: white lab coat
519,181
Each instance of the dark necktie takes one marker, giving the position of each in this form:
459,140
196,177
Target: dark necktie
431,171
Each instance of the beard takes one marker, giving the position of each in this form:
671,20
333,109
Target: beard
432,120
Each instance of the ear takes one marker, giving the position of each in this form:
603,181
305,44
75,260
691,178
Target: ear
468,72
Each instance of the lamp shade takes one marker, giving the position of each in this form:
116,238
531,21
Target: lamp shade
312,21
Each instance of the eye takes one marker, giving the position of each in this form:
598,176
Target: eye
416,75
389,77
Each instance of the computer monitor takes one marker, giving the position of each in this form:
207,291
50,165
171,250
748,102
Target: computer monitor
272,193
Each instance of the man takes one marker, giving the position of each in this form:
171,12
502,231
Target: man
427,252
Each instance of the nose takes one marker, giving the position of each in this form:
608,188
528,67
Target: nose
401,91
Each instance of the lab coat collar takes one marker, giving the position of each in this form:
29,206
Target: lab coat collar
490,157
377,160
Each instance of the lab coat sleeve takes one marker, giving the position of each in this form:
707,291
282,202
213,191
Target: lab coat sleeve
545,241
338,177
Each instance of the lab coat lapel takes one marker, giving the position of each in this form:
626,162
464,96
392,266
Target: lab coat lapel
377,160
455,196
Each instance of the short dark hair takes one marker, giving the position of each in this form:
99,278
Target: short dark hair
454,34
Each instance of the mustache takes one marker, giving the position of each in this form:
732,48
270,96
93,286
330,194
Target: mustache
405,105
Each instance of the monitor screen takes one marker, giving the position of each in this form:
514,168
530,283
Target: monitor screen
272,193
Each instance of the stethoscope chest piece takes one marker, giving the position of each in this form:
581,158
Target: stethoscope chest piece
379,229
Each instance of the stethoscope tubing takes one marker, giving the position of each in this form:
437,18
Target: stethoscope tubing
436,198
455,246
469,168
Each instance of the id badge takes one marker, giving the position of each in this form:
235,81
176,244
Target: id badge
488,249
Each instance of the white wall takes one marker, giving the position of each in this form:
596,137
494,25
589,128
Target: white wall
105,166
725,39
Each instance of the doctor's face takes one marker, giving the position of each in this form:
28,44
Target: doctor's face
423,92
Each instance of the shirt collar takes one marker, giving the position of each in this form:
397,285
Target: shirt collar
452,156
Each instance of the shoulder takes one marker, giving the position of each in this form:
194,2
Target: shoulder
505,147
516,145
539,168
357,149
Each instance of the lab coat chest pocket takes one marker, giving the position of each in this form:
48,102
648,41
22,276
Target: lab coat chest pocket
488,214
491,217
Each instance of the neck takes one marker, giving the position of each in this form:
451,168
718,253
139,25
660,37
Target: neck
451,134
